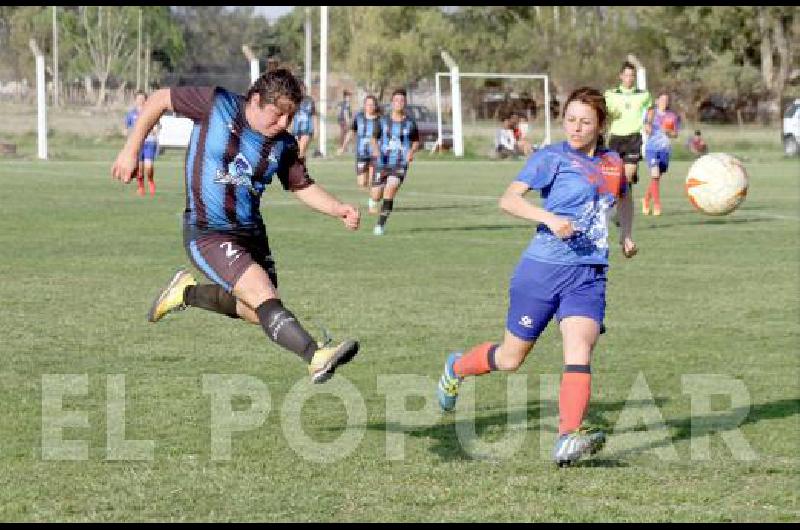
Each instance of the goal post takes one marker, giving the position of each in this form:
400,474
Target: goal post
456,106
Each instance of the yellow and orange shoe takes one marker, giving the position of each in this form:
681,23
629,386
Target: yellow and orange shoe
170,298
645,207
656,209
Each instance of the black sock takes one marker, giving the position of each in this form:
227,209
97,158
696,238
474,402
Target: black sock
282,327
386,210
212,298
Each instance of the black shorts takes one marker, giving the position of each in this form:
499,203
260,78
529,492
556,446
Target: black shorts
223,257
629,147
383,173
363,164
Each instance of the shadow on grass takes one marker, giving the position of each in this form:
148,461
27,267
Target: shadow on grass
448,446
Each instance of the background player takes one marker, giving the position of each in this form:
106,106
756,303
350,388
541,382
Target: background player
344,114
660,125
149,151
303,125
562,273
238,146
394,142
626,107
364,125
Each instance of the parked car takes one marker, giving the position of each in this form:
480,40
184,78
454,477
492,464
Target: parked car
175,131
791,129
426,125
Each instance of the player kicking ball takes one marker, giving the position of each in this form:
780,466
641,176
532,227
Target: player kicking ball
238,146
562,273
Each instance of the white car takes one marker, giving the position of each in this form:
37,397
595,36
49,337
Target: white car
175,131
791,129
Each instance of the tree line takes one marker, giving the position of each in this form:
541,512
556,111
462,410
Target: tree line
739,53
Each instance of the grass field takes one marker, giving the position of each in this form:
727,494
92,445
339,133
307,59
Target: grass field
83,256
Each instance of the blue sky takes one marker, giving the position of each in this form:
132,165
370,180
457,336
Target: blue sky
273,12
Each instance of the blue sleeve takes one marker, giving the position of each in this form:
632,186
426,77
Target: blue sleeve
128,121
539,171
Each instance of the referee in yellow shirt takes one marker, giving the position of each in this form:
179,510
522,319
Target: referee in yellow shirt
626,108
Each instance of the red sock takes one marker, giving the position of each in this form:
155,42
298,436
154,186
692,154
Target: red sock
477,361
656,193
573,399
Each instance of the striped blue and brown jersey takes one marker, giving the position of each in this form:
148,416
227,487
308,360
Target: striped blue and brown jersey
303,121
365,129
395,139
228,164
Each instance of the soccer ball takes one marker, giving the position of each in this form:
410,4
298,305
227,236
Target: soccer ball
668,124
716,183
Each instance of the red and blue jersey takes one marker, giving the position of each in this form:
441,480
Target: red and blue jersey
365,129
658,139
395,139
228,164
582,188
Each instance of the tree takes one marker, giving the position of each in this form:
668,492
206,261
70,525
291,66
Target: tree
105,42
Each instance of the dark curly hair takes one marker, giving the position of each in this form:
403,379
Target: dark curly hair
275,83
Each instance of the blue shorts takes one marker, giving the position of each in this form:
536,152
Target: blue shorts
539,290
657,157
148,152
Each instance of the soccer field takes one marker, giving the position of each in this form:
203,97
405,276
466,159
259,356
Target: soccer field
696,380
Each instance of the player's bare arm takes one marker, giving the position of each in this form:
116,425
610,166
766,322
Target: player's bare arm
514,202
126,161
413,150
346,141
316,197
625,209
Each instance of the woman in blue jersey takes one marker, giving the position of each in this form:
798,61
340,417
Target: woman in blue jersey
562,273
660,125
364,124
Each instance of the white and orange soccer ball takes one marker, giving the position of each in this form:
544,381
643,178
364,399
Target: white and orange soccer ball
716,183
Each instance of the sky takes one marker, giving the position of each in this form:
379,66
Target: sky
273,12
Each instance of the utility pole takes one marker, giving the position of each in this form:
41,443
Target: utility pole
55,58
308,49
139,54
146,63
41,101
323,78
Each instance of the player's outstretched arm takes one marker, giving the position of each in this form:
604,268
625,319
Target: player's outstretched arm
514,202
127,159
319,199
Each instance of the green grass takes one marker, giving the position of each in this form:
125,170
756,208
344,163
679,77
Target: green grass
83,256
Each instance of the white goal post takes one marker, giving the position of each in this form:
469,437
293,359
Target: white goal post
458,133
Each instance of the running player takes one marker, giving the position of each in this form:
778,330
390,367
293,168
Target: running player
562,273
303,125
394,142
660,125
149,151
364,125
238,146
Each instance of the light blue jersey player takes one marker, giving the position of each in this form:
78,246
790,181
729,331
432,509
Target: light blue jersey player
562,272
395,142
303,125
